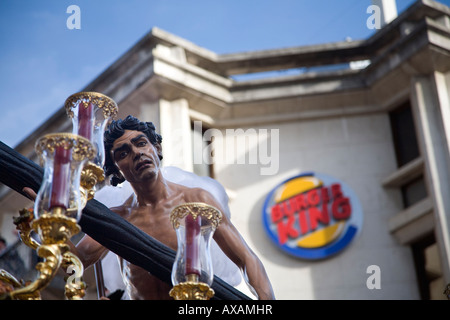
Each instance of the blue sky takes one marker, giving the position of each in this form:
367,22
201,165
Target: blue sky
42,62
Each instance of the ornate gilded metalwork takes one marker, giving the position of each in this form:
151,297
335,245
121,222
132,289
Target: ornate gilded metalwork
23,225
108,105
81,147
54,229
52,255
191,290
7,278
90,176
75,288
195,209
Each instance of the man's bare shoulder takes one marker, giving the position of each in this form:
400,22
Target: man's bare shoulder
194,194
124,208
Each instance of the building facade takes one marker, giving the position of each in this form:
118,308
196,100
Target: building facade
373,114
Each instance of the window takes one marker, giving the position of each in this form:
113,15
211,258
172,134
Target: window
404,134
413,192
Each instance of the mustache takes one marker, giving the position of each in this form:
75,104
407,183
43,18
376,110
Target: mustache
143,160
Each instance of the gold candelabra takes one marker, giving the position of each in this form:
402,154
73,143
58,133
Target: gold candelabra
72,168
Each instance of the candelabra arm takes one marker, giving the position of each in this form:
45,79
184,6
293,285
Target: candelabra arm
52,255
54,229
90,176
23,225
6,277
75,288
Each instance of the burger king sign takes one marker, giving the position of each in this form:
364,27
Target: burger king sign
312,216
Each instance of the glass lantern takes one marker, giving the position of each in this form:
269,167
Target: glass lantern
90,112
192,271
63,156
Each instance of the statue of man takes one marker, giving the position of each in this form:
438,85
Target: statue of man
134,153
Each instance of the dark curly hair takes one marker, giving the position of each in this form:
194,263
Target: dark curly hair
115,130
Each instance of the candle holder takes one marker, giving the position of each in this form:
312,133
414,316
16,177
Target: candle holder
192,271
90,112
73,166
57,209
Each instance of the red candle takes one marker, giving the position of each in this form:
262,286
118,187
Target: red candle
85,120
192,245
59,196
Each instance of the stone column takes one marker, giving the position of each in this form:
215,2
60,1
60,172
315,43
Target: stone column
431,108
175,128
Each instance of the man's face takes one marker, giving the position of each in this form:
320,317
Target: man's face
135,156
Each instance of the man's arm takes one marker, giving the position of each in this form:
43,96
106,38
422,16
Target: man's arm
234,246
88,251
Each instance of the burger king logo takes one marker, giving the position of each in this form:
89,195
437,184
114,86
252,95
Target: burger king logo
312,216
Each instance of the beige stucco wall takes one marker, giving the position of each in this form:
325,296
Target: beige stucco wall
357,150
